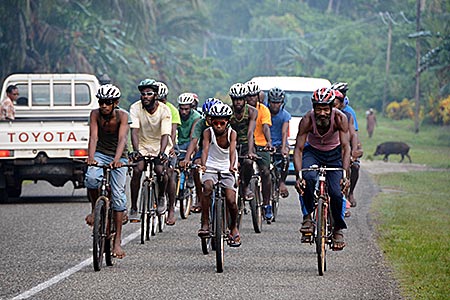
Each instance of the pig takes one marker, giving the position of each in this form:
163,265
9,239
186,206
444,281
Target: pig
388,148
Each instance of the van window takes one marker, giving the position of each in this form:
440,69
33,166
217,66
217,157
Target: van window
298,103
61,94
82,95
40,93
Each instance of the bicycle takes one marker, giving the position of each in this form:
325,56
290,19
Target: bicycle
150,219
218,223
104,230
185,189
256,204
322,234
277,166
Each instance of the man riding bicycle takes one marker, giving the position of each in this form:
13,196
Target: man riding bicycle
263,143
189,117
279,133
243,121
108,132
150,135
219,154
196,146
322,140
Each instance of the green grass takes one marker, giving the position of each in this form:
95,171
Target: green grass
414,231
413,214
431,146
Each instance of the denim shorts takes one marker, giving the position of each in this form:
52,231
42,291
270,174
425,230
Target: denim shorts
94,178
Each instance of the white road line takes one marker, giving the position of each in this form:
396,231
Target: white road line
67,273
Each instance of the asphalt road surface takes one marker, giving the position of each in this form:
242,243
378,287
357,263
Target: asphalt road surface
45,250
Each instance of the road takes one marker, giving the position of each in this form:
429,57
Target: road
46,246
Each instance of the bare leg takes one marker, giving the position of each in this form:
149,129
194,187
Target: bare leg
117,250
92,196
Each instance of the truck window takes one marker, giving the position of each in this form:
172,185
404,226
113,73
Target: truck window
82,95
40,93
61,94
298,103
23,94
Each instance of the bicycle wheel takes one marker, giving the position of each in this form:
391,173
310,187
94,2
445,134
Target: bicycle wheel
275,195
218,233
99,232
153,218
185,197
241,207
110,236
144,212
321,238
256,206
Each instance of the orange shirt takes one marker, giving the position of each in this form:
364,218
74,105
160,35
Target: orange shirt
264,117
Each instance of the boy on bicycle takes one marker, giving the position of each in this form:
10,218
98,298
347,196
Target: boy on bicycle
108,131
219,154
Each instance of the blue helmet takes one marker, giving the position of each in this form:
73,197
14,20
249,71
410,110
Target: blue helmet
208,104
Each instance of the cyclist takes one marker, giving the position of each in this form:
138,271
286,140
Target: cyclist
243,121
263,143
355,162
108,132
279,132
163,91
322,139
150,135
219,154
189,117
195,146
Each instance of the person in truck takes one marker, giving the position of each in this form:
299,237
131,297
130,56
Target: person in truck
7,106
108,137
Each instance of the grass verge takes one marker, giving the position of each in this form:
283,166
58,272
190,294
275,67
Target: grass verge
413,223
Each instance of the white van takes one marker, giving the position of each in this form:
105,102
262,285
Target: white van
298,97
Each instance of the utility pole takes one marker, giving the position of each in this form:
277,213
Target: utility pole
417,96
388,59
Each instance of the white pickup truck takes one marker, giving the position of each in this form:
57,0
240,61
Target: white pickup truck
50,130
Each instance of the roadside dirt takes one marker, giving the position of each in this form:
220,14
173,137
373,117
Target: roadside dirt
381,167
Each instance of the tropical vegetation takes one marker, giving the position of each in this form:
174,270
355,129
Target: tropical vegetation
204,46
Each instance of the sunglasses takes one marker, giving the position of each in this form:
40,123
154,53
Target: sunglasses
147,93
217,123
106,101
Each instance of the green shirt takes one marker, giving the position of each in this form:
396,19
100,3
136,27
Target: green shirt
175,114
184,131
198,131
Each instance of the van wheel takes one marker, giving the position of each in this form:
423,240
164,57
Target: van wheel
3,196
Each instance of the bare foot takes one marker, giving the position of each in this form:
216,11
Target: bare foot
171,219
90,219
118,252
283,190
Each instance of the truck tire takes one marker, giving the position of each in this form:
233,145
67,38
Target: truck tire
14,191
3,196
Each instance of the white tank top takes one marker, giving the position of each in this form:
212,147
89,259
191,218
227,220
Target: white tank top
218,157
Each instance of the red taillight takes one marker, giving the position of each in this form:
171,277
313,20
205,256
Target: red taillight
79,152
6,153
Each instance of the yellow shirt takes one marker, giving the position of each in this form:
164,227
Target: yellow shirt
151,127
264,117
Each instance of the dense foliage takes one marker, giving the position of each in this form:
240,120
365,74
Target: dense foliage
205,46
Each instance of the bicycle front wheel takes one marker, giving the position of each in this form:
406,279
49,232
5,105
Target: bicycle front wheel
218,232
256,206
322,236
275,195
99,232
185,197
110,237
144,207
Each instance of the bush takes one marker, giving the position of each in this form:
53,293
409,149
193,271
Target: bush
399,111
440,114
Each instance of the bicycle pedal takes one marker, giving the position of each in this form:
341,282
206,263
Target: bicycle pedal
306,239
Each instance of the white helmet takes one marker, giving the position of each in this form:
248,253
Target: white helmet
252,88
238,90
220,110
108,91
162,90
186,98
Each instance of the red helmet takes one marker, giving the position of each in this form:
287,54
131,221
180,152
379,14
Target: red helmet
340,96
323,96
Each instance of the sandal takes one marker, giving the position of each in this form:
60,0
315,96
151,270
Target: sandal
307,226
234,241
338,240
196,209
203,233
284,193
125,217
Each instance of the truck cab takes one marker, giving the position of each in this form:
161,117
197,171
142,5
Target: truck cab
50,130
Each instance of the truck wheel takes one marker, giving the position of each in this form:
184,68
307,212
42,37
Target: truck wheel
14,192
3,196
